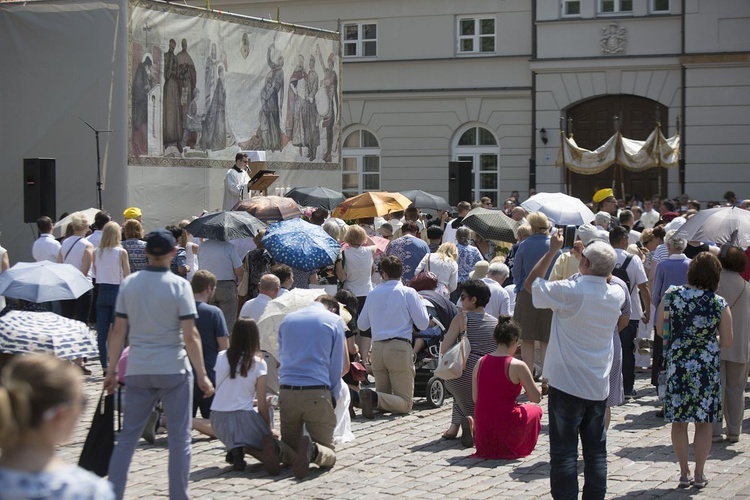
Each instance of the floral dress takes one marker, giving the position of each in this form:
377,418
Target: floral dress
693,358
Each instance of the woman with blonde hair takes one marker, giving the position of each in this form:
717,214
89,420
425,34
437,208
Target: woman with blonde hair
444,263
41,401
134,245
111,265
79,252
535,323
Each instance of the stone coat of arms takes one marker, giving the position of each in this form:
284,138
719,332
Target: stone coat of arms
614,39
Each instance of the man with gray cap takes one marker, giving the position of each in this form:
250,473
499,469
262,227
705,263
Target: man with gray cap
157,311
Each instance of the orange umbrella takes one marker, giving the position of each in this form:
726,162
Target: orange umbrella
372,204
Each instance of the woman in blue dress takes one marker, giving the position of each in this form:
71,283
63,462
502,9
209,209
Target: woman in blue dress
697,325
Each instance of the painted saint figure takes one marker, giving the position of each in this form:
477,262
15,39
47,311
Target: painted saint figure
172,118
187,77
215,124
272,96
310,112
294,104
330,83
210,74
142,81
193,122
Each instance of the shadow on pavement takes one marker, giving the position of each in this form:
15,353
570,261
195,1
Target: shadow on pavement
661,493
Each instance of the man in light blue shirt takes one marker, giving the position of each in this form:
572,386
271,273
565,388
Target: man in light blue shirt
392,355
311,359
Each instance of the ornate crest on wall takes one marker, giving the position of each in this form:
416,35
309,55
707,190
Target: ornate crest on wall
614,39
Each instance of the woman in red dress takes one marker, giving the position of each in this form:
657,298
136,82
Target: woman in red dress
502,427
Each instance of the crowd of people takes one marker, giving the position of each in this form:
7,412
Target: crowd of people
571,324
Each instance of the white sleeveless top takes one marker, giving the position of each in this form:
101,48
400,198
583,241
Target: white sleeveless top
192,261
109,265
72,250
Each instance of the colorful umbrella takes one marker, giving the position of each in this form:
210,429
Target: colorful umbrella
491,224
225,226
718,225
270,208
316,196
23,332
560,208
423,199
372,204
300,244
380,242
43,281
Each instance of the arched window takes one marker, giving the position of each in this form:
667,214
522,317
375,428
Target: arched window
361,167
479,146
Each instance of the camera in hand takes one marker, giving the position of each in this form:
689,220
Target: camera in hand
569,235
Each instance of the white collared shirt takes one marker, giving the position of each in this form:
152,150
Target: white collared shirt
404,307
580,350
254,308
650,218
46,247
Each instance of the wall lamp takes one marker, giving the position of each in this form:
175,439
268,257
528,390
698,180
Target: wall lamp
543,135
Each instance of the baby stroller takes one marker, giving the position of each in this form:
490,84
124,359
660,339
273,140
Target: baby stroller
426,385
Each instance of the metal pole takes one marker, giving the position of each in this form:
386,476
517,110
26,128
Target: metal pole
98,164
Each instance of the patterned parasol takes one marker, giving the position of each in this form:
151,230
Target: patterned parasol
300,244
23,332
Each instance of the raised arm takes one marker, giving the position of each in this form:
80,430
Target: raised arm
555,244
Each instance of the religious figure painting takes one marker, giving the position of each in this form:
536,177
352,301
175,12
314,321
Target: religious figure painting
198,100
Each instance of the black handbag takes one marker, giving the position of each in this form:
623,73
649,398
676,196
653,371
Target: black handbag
100,441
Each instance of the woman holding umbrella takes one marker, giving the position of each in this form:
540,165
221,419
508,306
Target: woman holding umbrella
79,252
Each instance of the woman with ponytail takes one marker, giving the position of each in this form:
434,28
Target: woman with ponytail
41,400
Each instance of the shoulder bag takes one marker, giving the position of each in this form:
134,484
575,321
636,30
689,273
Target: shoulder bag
452,364
426,280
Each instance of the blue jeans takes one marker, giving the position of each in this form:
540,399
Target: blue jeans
569,417
105,316
627,339
141,394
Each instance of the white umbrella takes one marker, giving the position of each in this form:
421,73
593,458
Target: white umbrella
61,225
43,281
276,311
560,208
718,225
23,332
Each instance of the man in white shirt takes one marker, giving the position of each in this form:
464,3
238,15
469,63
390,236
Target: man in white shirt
627,219
650,215
449,233
579,358
268,289
498,272
236,182
45,247
618,238
221,259
100,220
499,304
392,355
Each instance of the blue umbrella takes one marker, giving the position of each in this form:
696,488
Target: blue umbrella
300,244
24,332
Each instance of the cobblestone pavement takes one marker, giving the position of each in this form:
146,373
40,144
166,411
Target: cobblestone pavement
405,457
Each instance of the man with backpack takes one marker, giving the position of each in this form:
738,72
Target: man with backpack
629,268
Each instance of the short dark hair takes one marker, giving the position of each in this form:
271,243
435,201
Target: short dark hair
434,232
477,289
669,205
660,232
625,216
729,195
44,224
329,302
176,231
733,259
101,219
282,271
410,227
397,215
318,216
507,331
704,271
240,156
391,266
617,234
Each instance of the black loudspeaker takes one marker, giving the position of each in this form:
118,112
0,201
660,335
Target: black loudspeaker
459,182
38,189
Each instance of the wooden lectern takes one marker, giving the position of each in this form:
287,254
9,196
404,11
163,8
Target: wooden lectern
261,181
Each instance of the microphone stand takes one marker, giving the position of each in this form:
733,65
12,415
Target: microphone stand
98,164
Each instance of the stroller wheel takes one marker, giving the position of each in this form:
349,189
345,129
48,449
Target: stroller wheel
435,391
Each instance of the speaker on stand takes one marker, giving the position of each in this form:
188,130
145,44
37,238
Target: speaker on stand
39,189
459,182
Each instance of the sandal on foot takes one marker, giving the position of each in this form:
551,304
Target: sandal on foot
686,481
700,481
467,432
447,435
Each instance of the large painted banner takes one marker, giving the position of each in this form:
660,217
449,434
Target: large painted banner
204,85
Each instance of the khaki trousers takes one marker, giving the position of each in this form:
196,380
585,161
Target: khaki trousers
225,298
733,380
393,369
313,409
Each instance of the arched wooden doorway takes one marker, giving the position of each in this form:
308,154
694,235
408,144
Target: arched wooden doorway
593,124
